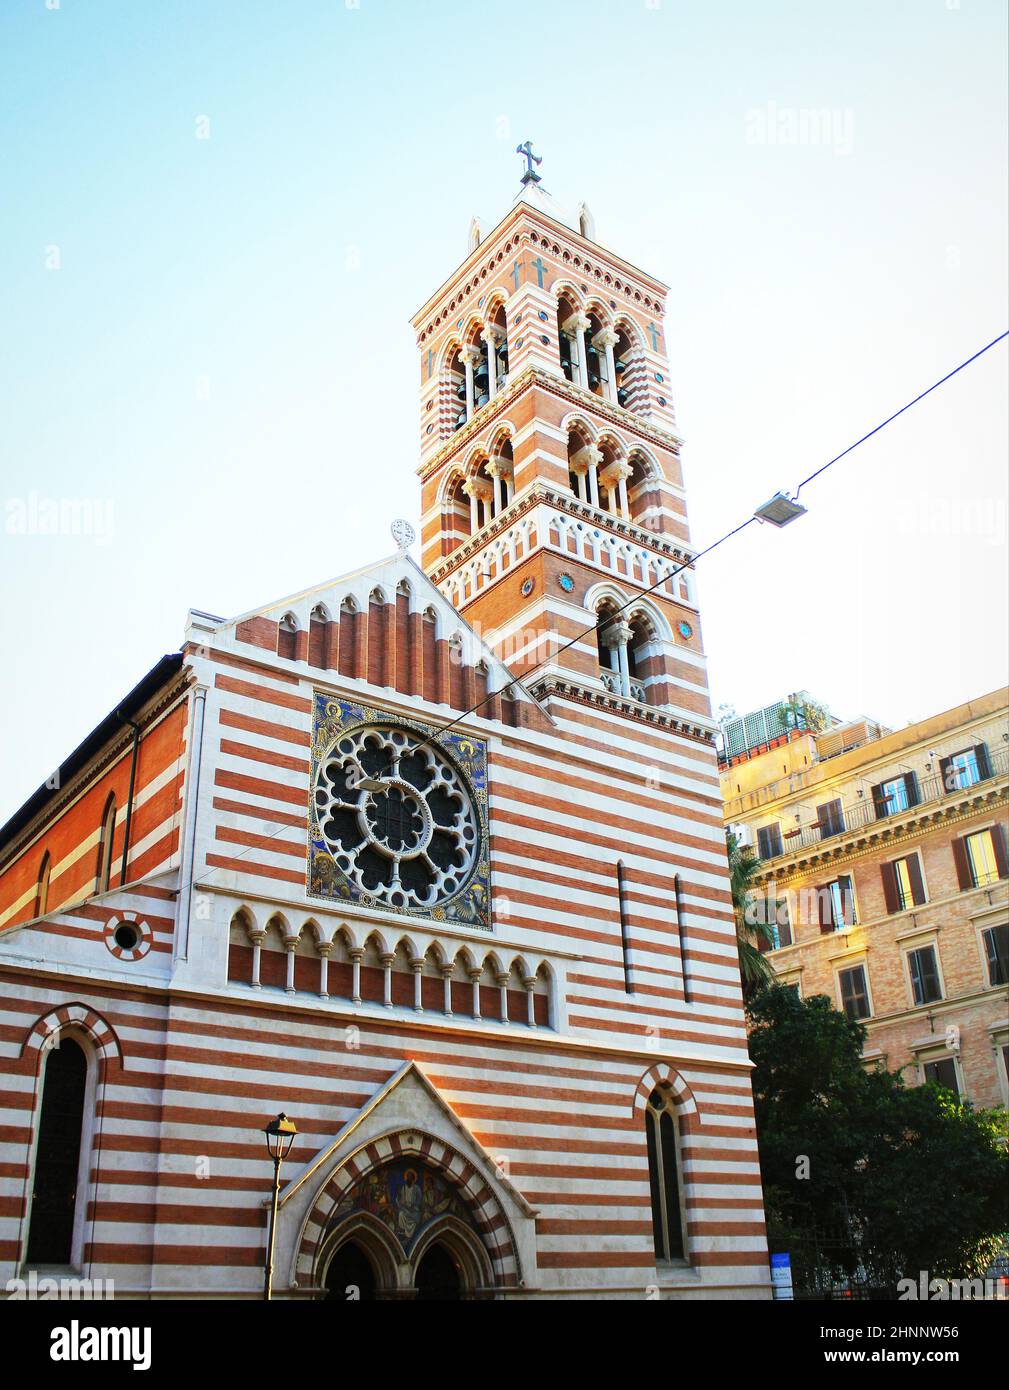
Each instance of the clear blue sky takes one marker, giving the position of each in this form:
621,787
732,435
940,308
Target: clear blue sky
223,359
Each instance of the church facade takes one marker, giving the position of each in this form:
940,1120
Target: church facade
429,858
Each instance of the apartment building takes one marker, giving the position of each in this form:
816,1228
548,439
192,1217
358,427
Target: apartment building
884,874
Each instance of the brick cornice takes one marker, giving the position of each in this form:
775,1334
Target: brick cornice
541,492
570,689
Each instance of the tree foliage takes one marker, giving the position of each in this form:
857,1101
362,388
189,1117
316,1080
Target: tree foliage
876,1176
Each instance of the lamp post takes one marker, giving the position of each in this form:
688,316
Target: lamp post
279,1138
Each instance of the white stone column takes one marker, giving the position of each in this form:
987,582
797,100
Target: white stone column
324,948
584,463
529,983
386,961
469,489
492,337
470,360
257,938
622,499
355,954
484,488
575,328
615,636
502,981
290,946
417,965
446,975
474,976
500,470
605,341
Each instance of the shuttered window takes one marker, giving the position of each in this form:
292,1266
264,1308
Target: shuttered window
854,992
903,885
830,818
769,841
996,948
924,970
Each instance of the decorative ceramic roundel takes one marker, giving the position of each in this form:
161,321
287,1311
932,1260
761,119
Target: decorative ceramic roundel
415,841
686,630
528,585
566,583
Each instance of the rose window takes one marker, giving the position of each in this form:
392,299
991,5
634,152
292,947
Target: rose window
411,838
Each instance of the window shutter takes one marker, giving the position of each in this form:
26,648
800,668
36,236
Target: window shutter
963,874
879,801
911,786
890,893
825,908
983,761
847,896
917,882
998,838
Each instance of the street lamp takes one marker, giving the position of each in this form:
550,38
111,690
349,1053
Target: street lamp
279,1138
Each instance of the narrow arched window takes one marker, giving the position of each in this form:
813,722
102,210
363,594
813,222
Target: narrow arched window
104,870
42,890
57,1168
662,1129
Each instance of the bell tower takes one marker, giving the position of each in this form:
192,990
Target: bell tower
552,495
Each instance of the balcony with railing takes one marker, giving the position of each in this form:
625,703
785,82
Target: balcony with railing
861,814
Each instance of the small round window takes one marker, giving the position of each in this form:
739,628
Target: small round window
126,936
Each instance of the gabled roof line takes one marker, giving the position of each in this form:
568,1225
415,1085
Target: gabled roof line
357,1120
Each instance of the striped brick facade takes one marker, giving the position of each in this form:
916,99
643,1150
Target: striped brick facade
512,1057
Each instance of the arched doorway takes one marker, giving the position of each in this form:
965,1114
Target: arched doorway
437,1278
350,1276
58,1156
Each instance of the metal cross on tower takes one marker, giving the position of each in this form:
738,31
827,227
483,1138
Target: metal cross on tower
526,150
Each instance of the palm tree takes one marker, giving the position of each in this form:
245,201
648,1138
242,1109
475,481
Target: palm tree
754,967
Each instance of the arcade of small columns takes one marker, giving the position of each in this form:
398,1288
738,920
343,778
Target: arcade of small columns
621,637
587,474
475,360
435,980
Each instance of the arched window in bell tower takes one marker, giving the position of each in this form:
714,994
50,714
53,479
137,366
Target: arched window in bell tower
495,338
457,387
627,366
571,338
583,458
595,358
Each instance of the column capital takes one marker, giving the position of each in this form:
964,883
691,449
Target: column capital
417,964
588,457
605,338
493,335
616,634
291,941
471,355
613,472
257,935
576,323
500,467
325,949
387,958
